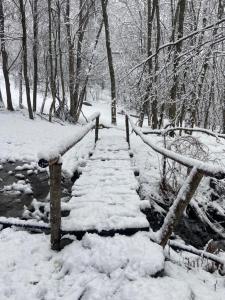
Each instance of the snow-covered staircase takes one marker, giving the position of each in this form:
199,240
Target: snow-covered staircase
104,198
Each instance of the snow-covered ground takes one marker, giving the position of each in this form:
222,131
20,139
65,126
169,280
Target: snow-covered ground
117,268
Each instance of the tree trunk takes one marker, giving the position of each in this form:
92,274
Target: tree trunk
35,53
5,58
25,67
60,61
21,83
173,92
110,62
71,56
52,82
2,105
81,29
158,36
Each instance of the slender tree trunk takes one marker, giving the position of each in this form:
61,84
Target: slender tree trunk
60,60
81,28
52,82
35,52
173,92
71,56
5,58
25,67
158,36
46,84
110,62
21,83
2,105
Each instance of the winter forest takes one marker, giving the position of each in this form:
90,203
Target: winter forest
112,149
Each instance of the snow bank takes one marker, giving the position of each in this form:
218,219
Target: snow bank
23,139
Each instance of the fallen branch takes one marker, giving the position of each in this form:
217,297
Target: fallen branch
196,129
216,228
177,246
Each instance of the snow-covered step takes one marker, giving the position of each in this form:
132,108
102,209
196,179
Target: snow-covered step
105,197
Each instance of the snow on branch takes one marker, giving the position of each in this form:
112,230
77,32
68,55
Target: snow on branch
170,44
196,129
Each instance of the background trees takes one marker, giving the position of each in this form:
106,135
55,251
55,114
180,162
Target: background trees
167,57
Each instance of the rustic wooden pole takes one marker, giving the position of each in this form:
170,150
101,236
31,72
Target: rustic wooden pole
55,205
127,130
96,129
180,203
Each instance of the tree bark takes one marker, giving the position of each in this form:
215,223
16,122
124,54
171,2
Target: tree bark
5,58
110,62
52,82
21,83
60,61
35,52
158,37
71,62
173,92
25,67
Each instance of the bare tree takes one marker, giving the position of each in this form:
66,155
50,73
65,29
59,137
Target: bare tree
50,51
25,63
35,52
5,58
110,62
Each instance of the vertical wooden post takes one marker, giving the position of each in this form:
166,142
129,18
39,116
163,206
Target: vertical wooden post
96,129
55,204
127,130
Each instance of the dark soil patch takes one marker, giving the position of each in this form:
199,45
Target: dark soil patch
191,229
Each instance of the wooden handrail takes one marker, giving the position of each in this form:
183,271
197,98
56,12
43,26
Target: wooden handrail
55,167
197,169
204,168
47,160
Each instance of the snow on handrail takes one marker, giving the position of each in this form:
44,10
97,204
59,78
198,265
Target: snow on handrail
202,167
47,156
94,116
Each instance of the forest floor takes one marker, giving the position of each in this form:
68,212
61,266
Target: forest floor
117,268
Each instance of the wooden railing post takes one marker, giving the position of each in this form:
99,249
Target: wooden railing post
55,204
127,130
96,129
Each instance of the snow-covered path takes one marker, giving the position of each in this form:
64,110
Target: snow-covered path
105,197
